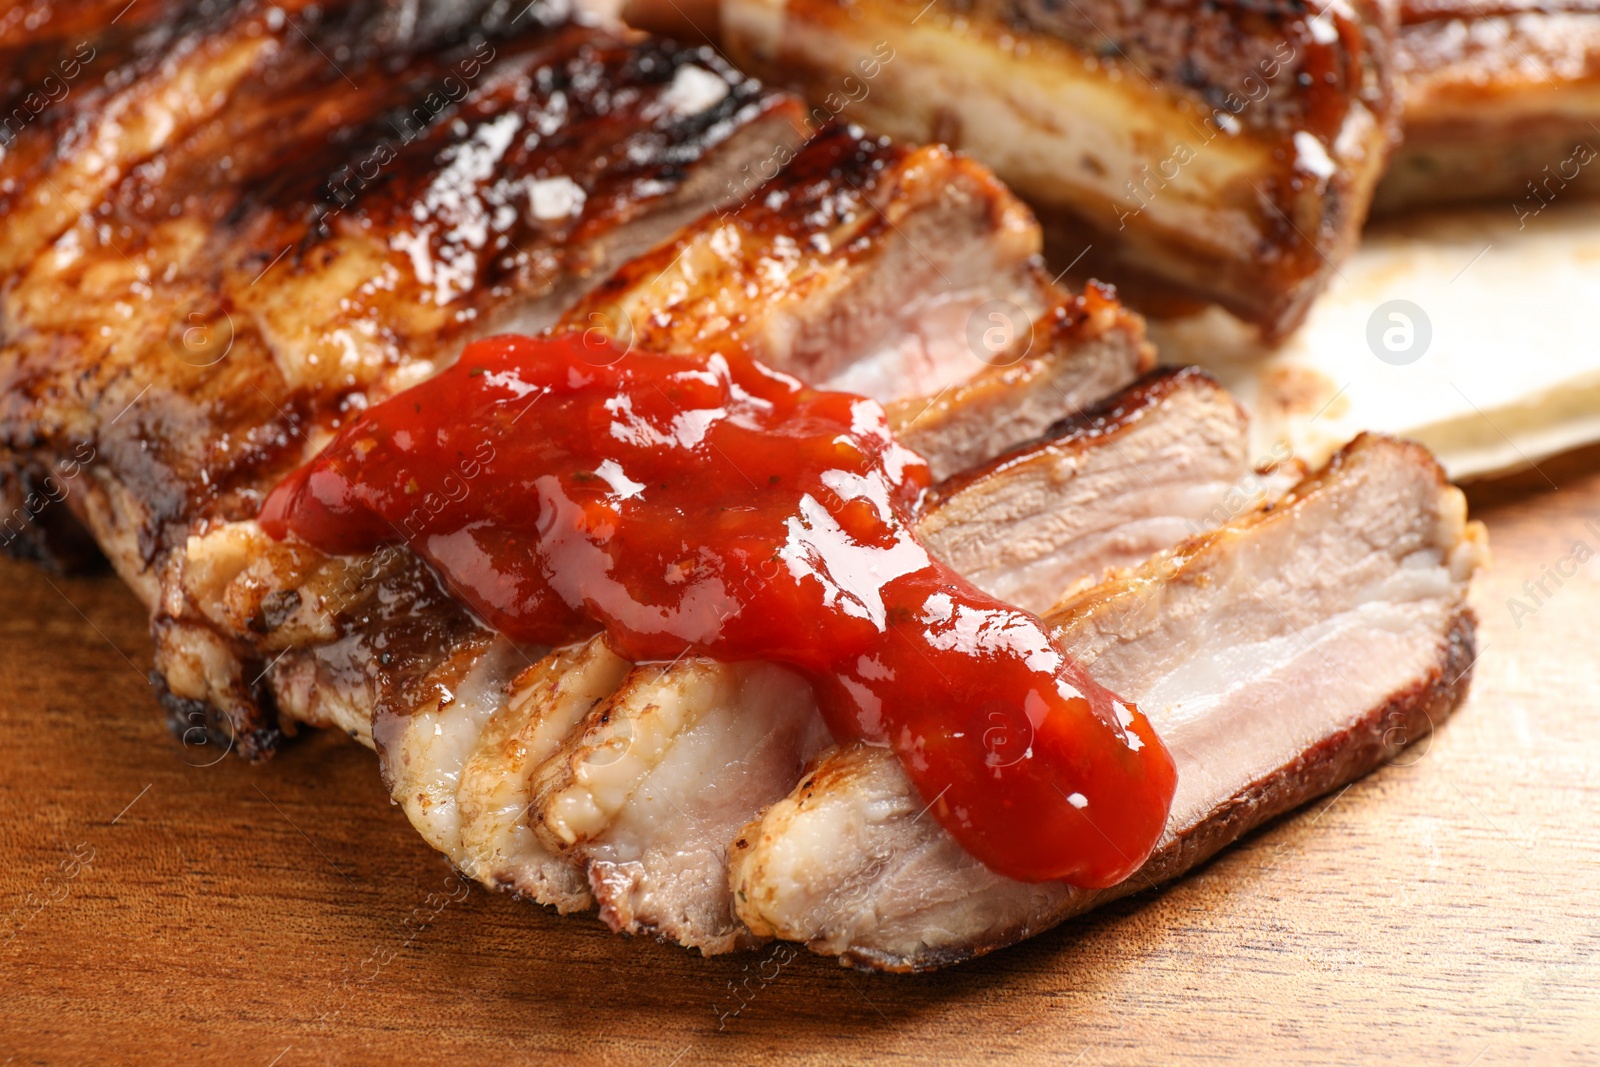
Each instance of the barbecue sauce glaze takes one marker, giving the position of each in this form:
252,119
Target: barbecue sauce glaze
713,507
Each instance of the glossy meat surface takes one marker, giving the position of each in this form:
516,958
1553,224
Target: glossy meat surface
1220,151
275,240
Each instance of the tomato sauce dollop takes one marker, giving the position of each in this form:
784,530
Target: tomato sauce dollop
712,506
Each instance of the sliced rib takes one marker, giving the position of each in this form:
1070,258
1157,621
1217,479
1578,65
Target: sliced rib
411,658
1082,350
1105,490
1286,653
650,788
1080,347
652,830
544,705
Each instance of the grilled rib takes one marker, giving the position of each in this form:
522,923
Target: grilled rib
1225,151
1281,656
255,247
196,364
473,772
1500,101
472,184
643,785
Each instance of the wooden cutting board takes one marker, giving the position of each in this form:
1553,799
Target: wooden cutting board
1444,910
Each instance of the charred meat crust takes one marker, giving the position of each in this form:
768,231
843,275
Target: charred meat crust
326,171
200,725
1404,718
1204,49
1300,97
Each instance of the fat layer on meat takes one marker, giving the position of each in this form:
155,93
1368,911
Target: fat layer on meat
1227,151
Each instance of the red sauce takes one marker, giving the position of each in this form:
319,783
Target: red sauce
715,507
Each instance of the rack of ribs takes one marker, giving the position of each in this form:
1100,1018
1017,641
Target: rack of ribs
225,247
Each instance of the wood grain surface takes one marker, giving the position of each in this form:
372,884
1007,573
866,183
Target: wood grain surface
165,908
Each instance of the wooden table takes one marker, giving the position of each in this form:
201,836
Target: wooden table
1444,910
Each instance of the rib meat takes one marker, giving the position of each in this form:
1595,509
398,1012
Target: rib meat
271,248
224,246
1227,151
633,781
646,793
1101,491
1286,653
1500,101
901,246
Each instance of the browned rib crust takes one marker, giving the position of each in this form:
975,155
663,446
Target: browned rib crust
338,181
1204,53
1404,718
1285,230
